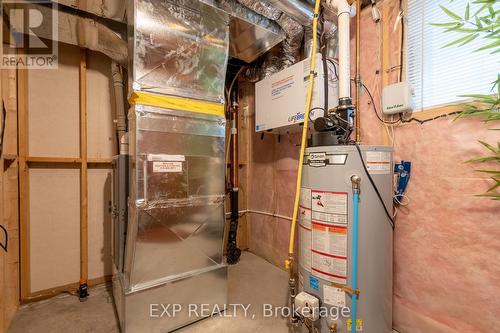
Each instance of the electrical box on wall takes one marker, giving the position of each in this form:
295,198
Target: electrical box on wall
280,99
397,98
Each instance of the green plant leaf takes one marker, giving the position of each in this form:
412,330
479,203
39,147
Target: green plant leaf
450,13
463,40
467,12
489,46
449,24
490,147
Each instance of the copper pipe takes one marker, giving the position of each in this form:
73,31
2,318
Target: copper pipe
233,252
234,145
357,78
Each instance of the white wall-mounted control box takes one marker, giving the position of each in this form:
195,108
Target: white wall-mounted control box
397,98
280,99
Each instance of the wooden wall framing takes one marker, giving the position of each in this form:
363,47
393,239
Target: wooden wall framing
9,261
83,163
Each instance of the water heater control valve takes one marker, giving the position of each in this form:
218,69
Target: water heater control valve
307,306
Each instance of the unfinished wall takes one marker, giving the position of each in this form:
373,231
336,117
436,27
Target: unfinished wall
54,197
447,241
9,261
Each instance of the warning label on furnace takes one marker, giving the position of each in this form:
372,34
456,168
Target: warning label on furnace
329,207
167,166
378,162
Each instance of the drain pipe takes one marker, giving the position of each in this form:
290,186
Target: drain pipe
233,252
121,118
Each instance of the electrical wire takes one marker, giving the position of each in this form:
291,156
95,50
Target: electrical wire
4,118
427,120
375,107
4,114
313,109
6,245
400,202
334,67
389,216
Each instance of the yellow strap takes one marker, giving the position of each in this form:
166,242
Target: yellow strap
177,103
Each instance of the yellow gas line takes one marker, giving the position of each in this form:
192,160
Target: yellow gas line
289,262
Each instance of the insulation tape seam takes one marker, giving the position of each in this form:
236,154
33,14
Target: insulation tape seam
177,103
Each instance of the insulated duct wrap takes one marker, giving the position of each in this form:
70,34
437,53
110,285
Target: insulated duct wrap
330,39
84,32
263,8
179,48
292,43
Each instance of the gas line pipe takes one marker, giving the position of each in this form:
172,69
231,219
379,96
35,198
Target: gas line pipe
343,13
289,261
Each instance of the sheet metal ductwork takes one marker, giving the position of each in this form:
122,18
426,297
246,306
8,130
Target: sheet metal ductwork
169,247
112,9
252,34
87,32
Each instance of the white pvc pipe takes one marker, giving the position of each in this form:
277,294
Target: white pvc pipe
344,14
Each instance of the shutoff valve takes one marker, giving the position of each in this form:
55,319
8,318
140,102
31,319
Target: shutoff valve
307,306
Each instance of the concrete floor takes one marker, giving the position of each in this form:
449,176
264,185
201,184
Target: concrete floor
253,281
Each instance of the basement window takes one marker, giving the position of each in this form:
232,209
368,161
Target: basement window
440,75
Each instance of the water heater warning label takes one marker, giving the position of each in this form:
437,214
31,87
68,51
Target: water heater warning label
334,296
329,252
329,268
305,217
329,240
329,207
378,162
305,247
305,197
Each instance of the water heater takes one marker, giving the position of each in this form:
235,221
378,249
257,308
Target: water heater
329,232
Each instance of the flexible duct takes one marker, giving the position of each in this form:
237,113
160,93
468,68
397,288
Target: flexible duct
293,30
330,39
300,10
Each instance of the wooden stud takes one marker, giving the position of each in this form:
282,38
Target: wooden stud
10,180
53,160
22,106
386,54
69,288
3,256
83,170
